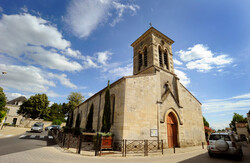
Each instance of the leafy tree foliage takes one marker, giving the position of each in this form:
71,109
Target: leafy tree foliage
89,125
35,107
75,99
205,122
56,122
106,124
56,112
3,101
236,119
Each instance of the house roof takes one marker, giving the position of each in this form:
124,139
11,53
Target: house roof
21,98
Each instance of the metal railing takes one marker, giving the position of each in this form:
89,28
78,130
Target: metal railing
121,147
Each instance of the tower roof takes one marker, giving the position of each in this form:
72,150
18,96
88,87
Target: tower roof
151,30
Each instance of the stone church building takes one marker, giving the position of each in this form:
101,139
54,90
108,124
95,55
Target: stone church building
152,103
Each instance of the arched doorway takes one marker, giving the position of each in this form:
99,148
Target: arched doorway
172,127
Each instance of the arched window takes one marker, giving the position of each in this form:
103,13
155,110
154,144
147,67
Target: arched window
140,62
166,59
160,57
145,57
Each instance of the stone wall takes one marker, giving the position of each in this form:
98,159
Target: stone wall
192,131
117,90
140,112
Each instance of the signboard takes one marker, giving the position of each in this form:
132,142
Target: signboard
153,132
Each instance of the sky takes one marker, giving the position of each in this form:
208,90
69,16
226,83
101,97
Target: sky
58,47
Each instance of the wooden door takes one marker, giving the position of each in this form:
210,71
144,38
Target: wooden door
172,130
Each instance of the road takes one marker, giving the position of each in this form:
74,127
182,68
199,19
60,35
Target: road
26,141
39,148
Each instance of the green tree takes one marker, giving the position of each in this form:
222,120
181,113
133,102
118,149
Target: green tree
106,124
89,125
56,112
35,107
75,99
3,101
205,122
236,119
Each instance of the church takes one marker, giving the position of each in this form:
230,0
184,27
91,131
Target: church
151,104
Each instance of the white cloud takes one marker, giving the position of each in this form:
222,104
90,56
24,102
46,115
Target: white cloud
99,60
63,79
121,71
32,39
1,9
88,62
24,9
26,79
121,9
90,94
183,77
245,96
84,16
202,59
236,103
177,62
102,57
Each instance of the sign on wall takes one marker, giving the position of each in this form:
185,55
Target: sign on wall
153,132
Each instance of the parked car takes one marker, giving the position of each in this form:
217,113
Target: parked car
224,143
52,127
37,127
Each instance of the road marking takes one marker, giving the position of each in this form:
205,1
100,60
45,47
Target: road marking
50,137
42,136
8,136
22,136
32,136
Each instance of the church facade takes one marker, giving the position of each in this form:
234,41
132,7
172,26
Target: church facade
152,103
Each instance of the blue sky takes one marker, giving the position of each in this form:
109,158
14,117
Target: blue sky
57,47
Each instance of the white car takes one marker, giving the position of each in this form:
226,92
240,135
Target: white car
37,127
224,143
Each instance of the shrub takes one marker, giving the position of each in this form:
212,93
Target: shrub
56,122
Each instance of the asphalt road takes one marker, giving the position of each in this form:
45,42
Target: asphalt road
39,148
26,141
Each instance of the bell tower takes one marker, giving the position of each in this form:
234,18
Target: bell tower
152,50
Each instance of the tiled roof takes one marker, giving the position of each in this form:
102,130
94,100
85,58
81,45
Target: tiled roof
21,98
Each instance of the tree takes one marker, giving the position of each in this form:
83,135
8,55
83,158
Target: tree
89,125
236,119
3,101
75,99
56,112
106,124
35,107
205,122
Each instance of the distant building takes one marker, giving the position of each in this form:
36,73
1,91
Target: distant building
152,103
12,117
241,129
